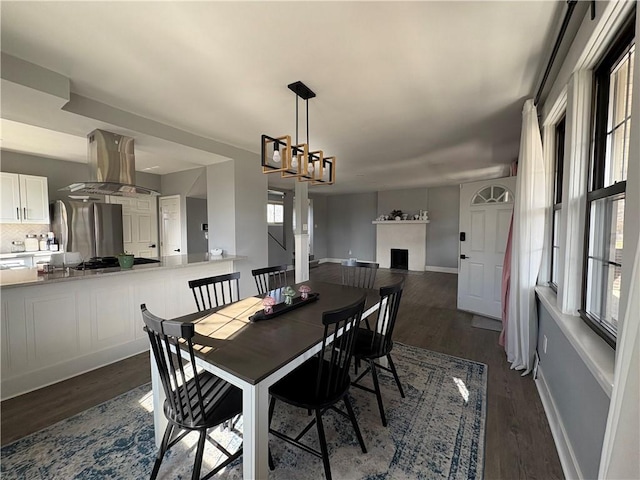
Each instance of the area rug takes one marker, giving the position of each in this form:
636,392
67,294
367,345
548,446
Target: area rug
436,432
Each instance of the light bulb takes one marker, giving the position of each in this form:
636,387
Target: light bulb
294,161
276,156
311,167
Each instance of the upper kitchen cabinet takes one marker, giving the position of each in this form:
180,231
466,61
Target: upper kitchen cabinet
25,199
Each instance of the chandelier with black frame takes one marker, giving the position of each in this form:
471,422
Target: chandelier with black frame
279,155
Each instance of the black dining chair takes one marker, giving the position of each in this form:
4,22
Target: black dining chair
270,278
372,344
215,291
195,401
359,274
322,381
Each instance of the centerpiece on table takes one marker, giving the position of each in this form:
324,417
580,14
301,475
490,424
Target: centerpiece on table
304,291
288,293
268,303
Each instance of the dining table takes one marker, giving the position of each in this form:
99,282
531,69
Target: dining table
254,355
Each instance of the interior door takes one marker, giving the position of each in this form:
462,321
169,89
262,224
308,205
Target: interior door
139,225
170,226
485,216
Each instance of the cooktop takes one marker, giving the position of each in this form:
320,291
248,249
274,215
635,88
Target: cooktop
110,262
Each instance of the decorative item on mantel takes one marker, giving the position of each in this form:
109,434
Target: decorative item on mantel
297,161
396,215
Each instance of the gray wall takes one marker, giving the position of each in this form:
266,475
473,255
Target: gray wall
237,211
196,216
410,201
60,173
349,224
579,398
442,231
351,228
320,226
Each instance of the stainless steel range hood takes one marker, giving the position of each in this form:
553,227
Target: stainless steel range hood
111,167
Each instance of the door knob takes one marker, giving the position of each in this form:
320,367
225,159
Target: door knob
464,257
177,250
153,245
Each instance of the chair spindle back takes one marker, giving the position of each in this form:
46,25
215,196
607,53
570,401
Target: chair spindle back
387,313
359,274
270,278
215,291
179,377
344,322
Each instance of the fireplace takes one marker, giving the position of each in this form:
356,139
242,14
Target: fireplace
400,258
407,235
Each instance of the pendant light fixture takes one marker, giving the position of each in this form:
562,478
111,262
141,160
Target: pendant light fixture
278,154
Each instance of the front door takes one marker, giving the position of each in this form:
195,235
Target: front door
170,232
485,216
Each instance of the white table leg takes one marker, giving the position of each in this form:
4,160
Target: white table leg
159,420
255,432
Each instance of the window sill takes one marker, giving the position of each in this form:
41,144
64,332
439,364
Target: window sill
597,355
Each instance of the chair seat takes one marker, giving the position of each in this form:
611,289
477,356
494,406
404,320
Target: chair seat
222,401
298,388
367,347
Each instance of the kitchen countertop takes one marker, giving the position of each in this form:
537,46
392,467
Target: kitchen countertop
175,261
37,253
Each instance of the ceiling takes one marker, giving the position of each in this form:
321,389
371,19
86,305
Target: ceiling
408,94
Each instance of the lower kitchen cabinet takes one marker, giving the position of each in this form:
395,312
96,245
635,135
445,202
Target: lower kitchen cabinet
54,331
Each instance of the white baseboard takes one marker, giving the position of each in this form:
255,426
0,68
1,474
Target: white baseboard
330,260
429,268
568,459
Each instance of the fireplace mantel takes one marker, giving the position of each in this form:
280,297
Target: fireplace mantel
397,222
402,234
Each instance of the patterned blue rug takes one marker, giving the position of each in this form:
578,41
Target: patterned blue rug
436,432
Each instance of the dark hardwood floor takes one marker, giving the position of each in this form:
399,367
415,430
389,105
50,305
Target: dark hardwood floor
519,444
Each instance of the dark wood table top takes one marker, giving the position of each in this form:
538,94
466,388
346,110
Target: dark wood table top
252,351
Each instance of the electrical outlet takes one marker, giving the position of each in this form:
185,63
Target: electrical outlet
544,343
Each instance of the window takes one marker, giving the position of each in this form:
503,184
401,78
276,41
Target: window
275,213
607,186
492,194
557,202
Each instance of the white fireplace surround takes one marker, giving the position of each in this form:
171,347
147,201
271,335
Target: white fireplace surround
404,234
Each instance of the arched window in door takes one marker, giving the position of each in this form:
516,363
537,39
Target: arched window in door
492,194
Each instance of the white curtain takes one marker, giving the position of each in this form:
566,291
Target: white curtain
621,446
527,242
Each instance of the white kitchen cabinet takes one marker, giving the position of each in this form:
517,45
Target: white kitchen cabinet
55,329
25,199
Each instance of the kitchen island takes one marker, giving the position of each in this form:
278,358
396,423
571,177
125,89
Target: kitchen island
69,321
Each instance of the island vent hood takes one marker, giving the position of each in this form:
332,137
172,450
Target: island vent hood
111,167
